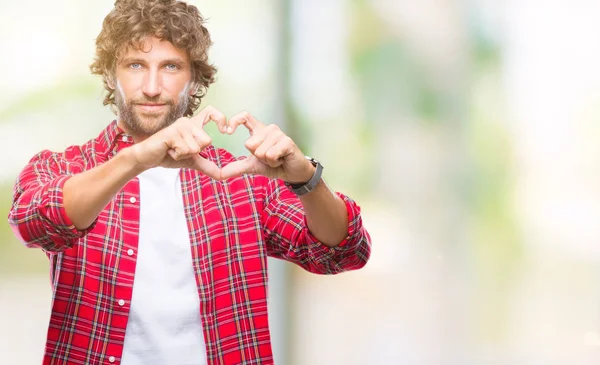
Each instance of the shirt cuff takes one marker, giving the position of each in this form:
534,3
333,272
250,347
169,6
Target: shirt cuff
54,216
352,238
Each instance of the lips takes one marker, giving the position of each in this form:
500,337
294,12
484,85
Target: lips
151,107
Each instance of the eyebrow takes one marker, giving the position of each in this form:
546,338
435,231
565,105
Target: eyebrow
177,61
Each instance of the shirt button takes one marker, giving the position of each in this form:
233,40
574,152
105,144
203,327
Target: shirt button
111,359
124,138
130,252
121,303
132,200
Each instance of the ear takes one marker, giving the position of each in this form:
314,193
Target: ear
194,89
110,82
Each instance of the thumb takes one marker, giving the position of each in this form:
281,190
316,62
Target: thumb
236,168
207,167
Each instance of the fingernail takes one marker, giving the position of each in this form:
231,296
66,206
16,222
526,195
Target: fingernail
229,129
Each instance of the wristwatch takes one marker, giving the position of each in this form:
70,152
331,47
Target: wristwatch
310,185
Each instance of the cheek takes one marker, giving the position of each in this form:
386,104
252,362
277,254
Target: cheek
125,90
179,90
130,82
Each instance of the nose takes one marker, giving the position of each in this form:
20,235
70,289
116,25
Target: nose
152,84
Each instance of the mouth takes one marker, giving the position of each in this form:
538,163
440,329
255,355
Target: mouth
151,107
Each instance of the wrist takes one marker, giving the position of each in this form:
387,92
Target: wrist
309,185
302,178
130,161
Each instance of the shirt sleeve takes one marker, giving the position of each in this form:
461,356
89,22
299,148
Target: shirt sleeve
288,237
37,216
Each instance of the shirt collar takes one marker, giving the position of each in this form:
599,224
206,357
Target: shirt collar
111,140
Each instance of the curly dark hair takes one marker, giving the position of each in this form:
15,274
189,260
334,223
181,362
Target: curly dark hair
131,21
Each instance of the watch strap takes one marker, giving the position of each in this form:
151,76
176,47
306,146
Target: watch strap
310,185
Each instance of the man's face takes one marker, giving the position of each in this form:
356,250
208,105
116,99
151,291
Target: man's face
152,86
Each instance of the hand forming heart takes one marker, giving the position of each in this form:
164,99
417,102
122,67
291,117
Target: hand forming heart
272,153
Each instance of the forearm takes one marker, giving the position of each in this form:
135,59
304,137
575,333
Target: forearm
326,215
321,232
87,193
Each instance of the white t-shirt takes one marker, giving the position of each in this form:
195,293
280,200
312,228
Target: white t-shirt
164,325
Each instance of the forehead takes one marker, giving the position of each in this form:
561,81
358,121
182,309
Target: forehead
154,49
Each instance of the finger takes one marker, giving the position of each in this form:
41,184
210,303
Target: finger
187,135
272,137
192,144
211,113
207,167
178,148
255,141
275,155
247,120
179,152
174,155
201,137
236,168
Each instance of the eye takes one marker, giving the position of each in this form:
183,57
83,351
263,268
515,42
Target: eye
172,67
135,66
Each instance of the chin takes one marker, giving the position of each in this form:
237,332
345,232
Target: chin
151,125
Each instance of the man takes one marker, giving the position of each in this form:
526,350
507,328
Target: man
158,241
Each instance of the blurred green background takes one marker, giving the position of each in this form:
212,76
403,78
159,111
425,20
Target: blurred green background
467,131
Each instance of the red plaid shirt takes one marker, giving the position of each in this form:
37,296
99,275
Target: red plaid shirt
233,226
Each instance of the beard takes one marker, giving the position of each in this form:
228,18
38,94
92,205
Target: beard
145,124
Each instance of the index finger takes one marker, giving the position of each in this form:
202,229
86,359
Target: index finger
211,113
246,119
